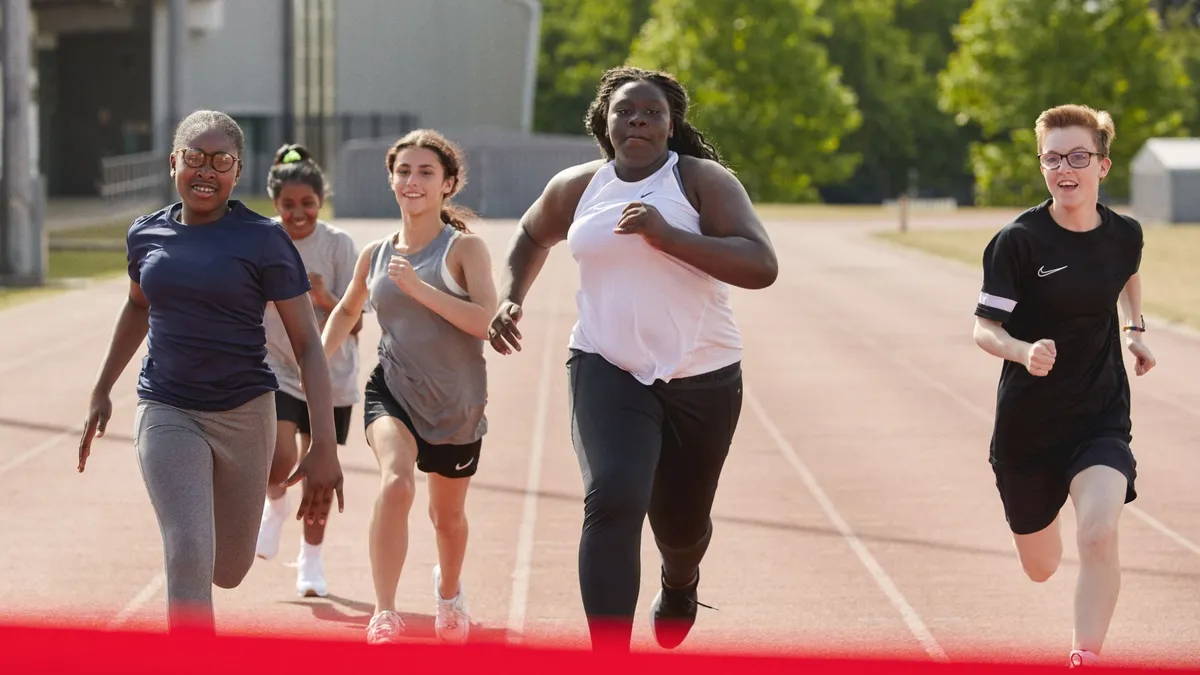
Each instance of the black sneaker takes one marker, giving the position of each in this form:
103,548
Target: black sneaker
673,613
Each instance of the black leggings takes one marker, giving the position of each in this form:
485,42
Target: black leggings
655,450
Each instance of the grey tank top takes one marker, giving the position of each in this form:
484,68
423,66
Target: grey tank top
434,369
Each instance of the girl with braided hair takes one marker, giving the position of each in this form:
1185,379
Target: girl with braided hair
660,229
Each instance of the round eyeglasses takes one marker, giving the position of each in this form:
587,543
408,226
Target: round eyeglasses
221,161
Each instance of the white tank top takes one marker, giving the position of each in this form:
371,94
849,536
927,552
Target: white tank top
644,311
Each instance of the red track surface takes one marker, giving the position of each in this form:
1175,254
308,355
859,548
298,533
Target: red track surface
857,513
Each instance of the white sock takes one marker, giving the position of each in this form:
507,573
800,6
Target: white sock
309,551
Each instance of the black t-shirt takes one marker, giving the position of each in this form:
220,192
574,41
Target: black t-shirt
1043,281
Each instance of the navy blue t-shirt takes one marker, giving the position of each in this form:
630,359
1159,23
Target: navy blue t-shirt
208,287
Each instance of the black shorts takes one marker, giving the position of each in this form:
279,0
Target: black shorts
291,409
451,461
1034,493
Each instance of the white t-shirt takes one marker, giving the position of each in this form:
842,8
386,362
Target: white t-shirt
331,253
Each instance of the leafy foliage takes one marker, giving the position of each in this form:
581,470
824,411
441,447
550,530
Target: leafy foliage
762,87
1015,58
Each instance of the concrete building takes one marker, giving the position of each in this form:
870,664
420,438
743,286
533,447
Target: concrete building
319,72
1165,185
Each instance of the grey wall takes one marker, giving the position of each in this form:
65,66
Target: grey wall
507,171
1150,190
453,63
1185,193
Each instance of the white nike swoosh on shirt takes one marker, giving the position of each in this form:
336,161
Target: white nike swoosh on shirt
1043,272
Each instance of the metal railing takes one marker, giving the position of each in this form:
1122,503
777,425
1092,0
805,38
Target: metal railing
141,175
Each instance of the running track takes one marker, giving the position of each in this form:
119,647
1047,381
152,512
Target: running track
857,513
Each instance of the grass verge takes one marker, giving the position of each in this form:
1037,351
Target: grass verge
98,252
64,266
1170,275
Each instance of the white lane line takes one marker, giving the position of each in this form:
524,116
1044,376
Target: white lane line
143,596
522,568
986,416
913,620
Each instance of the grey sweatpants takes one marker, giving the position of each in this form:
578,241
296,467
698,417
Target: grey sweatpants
206,473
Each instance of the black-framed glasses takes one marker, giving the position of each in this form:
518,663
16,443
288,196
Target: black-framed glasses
196,158
1079,159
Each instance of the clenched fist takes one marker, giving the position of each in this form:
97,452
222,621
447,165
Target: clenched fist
402,273
1040,358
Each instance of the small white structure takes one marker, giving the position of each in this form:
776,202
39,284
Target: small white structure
1165,181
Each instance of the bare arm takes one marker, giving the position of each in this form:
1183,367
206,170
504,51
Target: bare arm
734,247
522,265
326,303
301,324
1130,302
132,325
319,469
993,339
544,225
346,316
472,316
1037,357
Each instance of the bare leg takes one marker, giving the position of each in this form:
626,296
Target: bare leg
396,451
1098,493
284,459
447,510
275,509
1041,552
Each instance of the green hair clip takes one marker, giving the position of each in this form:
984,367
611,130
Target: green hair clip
291,156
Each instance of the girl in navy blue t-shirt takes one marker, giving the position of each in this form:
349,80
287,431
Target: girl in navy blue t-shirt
202,272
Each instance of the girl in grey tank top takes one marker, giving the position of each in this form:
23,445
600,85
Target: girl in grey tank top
433,368
431,381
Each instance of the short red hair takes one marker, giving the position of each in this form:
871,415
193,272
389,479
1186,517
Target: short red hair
1099,122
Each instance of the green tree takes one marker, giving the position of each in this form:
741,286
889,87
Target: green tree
943,145
1180,19
1016,58
889,52
762,88
580,40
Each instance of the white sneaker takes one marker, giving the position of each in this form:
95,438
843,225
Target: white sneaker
1081,658
386,627
451,623
310,573
274,515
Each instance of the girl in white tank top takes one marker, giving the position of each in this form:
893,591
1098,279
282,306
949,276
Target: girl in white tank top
660,230
641,309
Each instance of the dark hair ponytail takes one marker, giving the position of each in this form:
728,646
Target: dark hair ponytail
295,164
456,216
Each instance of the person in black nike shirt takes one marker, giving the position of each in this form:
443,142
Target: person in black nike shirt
1053,279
